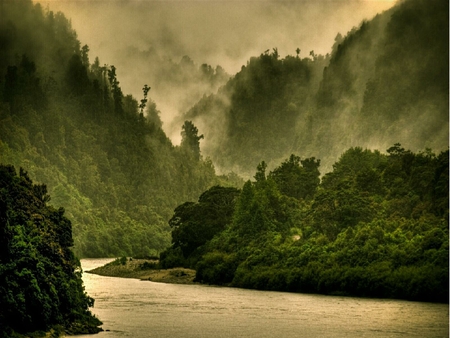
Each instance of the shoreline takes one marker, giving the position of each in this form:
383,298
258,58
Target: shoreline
141,269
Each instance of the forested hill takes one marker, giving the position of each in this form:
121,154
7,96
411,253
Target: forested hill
41,286
386,81
376,226
102,154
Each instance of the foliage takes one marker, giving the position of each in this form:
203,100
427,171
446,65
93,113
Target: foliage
376,226
297,178
40,277
194,224
257,110
102,155
386,81
190,140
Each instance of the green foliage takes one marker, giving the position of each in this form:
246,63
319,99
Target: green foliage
102,155
297,178
372,228
386,81
148,266
190,140
172,257
194,224
216,268
40,277
259,107
118,261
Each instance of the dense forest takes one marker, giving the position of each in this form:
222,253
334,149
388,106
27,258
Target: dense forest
375,226
102,154
40,278
369,223
385,82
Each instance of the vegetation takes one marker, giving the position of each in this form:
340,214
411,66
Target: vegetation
145,270
194,224
101,154
386,81
40,278
376,226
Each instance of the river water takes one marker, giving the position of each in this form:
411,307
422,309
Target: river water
134,308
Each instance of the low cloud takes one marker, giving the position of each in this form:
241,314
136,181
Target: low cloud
135,35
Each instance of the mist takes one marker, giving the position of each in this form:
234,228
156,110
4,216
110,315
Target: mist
144,39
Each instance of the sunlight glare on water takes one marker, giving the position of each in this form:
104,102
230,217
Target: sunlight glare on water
133,308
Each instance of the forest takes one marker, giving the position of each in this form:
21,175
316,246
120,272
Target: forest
102,154
385,82
304,173
375,226
41,289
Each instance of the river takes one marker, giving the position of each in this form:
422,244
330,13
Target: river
133,308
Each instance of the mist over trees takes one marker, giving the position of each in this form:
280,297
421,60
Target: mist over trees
386,81
375,224
104,157
176,84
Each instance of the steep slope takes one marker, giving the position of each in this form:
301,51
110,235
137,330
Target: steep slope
40,278
103,156
254,116
385,82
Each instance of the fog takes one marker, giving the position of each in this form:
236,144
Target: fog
139,36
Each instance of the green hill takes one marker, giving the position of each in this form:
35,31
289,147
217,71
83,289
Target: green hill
376,226
386,81
40,278
102,154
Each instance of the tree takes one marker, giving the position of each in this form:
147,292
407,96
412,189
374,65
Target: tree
116,91
77,76
194,224
41,285
22,86
297,178
260,175
146,89
85,55
190,141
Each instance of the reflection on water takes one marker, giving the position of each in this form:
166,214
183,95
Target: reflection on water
133,308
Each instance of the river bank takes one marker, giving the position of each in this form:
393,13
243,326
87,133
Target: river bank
144,269
129,307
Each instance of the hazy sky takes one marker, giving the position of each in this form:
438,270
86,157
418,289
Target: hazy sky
216,32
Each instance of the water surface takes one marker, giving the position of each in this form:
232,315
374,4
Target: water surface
133,308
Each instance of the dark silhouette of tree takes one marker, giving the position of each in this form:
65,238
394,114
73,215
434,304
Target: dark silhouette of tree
77,76
41,285
85,55
143,103
116,91
190,140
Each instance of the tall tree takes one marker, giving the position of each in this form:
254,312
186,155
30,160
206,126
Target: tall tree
190,140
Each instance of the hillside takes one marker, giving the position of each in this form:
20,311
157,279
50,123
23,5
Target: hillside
385,82
375,226
102,154
41,286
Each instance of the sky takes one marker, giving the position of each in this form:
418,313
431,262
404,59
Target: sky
216,32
